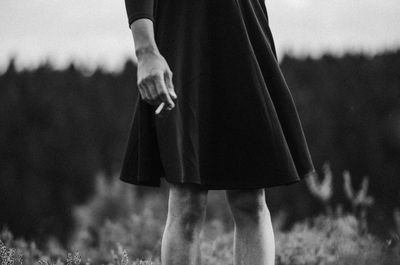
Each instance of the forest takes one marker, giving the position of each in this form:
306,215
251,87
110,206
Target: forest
60,128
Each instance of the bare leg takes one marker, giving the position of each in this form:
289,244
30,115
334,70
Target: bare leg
186,211
254,242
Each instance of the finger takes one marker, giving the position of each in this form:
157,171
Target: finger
163,92
141,92
146,93
151,90
143,89
140,88
169,84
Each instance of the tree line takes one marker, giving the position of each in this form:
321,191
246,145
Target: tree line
60,127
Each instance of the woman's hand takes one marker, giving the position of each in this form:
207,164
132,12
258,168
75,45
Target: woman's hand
154,79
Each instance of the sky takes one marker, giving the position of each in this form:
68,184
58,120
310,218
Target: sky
95,32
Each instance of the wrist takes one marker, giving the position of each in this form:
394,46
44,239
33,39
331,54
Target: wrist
145,50
143,35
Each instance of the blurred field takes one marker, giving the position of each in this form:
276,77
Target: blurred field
60,128
119,226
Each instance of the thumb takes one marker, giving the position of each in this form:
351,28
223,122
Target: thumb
169,84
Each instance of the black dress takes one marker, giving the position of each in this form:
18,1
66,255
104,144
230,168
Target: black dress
234,125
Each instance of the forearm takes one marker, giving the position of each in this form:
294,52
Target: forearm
143,35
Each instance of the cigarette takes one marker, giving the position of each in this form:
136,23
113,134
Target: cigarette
160,107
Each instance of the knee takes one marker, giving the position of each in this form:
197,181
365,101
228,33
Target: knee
247,205
187,211
189,217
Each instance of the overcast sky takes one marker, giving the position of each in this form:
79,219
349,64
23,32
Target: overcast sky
96,32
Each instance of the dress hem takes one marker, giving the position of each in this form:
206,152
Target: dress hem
217,186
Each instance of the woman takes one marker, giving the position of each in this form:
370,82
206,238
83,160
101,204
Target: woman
214,112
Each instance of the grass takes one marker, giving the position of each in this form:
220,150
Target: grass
119,227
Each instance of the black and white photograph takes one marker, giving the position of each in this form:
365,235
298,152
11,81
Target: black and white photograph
199,132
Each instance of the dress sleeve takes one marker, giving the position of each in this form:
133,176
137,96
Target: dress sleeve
136,9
